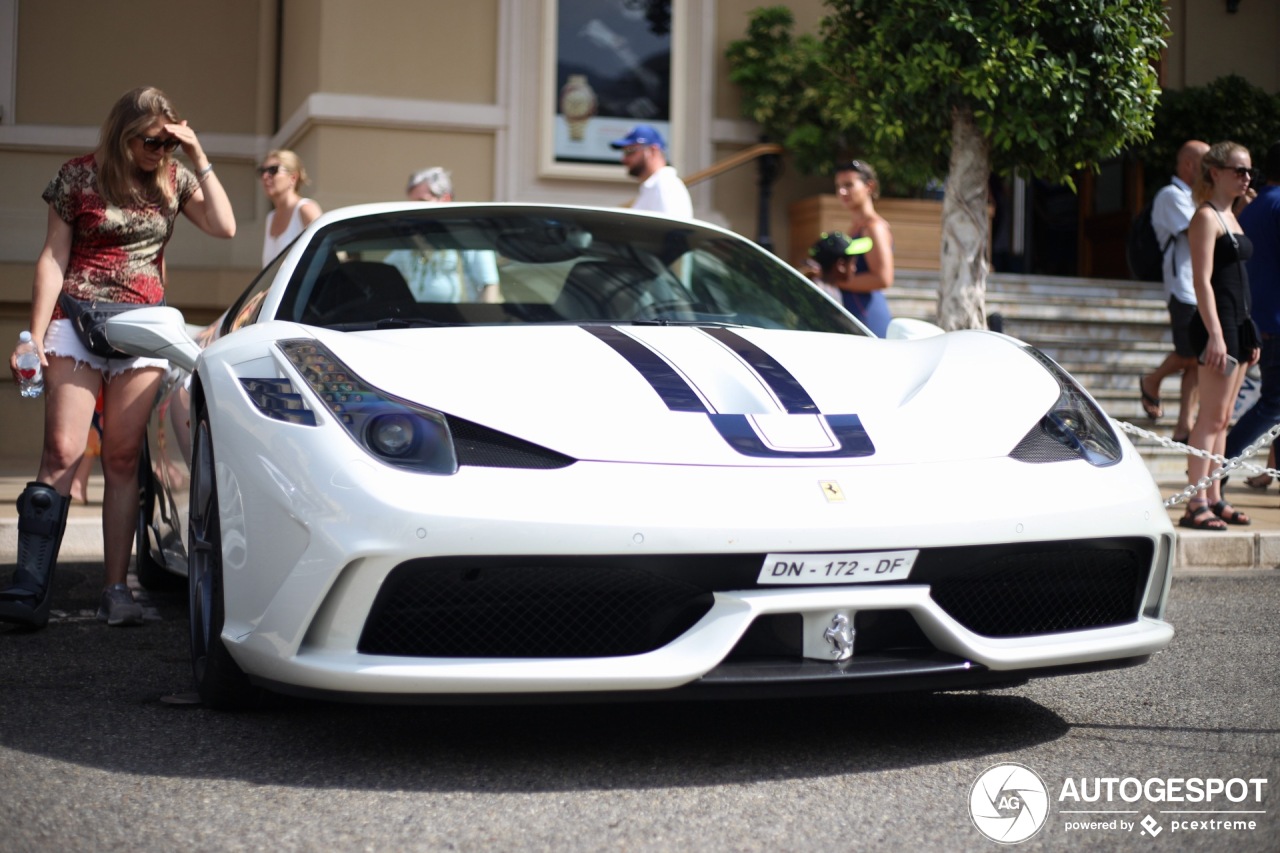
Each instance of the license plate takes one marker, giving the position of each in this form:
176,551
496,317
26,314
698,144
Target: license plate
856,567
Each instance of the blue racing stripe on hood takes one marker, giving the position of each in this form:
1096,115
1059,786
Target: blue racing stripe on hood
670,385
851,439
736,429
786,387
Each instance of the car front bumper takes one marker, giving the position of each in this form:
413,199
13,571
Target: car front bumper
298,606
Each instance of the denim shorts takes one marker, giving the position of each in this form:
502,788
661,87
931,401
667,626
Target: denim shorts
60,339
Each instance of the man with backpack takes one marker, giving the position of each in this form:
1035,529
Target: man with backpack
1171,213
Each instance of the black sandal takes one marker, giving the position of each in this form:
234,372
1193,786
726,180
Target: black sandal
1195,517
1229,514
1151,406
1258,481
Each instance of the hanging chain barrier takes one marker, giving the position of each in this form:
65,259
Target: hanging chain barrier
1226,467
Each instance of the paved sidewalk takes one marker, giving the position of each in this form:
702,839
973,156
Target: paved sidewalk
83,539
1254,547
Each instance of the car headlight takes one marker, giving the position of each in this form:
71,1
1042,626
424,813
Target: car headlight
392,430
392,435
1075,421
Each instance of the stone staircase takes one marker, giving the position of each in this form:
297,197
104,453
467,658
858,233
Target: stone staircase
1106,332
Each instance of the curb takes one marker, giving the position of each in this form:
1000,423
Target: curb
1214,550
82,540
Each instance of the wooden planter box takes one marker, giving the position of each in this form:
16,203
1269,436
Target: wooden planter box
916,224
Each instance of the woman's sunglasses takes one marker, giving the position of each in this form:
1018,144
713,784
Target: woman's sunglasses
854,166
156,143
270,170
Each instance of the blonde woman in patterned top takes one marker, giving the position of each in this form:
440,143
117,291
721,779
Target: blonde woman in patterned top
111,213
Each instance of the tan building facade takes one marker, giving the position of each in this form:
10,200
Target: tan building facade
367,91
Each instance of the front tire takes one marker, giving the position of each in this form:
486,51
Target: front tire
218,678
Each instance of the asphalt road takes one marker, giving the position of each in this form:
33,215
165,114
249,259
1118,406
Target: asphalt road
91,759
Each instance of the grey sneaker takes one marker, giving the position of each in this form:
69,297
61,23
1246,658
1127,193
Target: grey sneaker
118,607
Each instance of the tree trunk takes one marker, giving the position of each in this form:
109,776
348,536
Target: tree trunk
965,231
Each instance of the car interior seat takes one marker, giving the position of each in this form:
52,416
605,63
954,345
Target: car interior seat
360,292
604,290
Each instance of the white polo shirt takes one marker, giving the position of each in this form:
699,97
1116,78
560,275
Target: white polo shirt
664,192
1171,214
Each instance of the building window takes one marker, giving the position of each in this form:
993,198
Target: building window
607,66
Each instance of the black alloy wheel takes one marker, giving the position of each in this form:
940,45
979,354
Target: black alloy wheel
218,679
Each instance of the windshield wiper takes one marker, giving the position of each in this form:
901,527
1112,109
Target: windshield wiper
387,323
715,324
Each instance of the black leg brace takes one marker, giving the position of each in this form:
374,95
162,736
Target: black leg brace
42,518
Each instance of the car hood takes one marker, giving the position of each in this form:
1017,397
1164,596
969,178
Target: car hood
684,395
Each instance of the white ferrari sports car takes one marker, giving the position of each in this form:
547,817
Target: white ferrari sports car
664,464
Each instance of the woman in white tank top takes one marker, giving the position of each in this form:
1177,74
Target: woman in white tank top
282,173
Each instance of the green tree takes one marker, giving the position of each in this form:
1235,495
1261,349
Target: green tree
963,88
787,88
1050,86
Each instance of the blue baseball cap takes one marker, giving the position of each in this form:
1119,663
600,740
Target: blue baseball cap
641,134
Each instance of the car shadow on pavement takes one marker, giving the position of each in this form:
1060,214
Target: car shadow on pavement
82,693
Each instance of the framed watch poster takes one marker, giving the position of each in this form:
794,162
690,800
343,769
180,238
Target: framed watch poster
608,65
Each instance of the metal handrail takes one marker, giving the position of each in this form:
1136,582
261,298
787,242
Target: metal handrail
733,161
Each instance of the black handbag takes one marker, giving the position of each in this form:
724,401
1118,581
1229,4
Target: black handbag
1250,337
88,319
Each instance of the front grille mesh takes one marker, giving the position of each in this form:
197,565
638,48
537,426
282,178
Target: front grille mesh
528,611
1038,448
606,606
1048,592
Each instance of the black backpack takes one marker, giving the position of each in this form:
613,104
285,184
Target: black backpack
1143,250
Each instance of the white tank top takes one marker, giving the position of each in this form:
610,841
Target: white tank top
272,246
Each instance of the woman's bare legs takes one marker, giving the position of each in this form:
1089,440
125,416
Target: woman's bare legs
70,395
1217,398
1208,433
127,400
126,406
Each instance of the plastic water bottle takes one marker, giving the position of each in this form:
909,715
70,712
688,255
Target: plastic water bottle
30,376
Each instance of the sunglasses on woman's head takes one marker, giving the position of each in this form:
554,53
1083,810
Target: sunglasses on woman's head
269,170
854,166
155,143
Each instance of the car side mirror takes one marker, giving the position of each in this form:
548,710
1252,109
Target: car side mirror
157,331
907,329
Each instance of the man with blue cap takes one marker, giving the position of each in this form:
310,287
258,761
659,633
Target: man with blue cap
644,153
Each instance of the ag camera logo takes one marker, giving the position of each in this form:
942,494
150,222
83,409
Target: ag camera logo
1009,803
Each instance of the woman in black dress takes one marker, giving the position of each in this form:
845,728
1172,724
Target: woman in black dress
1221,330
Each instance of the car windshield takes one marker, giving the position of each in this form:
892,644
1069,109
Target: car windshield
483,265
